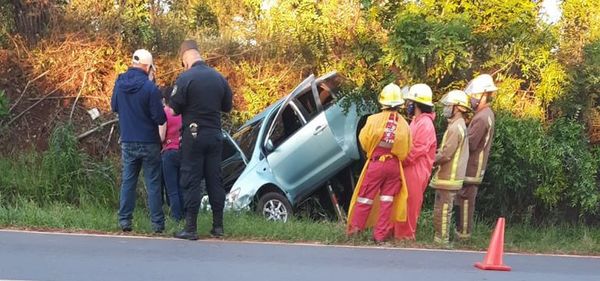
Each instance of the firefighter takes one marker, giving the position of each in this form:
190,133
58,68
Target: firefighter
380,196
451,160
419,162
200,95
481,134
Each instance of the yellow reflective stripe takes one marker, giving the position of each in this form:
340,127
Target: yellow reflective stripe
473,179
480,164
481,154
444,220
457,154
465,216
437,181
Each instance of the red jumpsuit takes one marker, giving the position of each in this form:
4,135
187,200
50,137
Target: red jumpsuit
417,170
382,177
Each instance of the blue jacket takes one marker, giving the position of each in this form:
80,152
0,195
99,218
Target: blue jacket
138,102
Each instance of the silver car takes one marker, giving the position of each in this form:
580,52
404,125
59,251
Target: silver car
285,153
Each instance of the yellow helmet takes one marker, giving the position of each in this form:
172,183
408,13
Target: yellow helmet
456,97
420,93
391,95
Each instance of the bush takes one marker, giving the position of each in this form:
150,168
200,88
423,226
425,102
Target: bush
538,174
62,174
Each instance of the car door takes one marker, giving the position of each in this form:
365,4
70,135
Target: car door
233,161
303,152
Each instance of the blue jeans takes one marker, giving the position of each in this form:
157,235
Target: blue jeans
170,167
136,156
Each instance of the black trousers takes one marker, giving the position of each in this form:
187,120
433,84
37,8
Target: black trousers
201,159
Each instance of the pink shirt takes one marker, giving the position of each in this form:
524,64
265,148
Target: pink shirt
173,131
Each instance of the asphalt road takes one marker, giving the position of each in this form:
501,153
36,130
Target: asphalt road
37,256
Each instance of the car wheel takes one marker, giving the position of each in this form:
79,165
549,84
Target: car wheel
274,207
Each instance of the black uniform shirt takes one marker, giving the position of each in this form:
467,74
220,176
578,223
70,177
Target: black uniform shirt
200,95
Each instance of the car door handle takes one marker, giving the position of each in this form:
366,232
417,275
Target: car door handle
319,129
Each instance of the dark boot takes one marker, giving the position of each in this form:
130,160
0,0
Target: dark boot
189,232
217,229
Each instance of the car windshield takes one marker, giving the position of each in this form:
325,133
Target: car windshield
246,137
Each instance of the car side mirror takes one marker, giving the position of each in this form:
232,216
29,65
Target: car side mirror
269,145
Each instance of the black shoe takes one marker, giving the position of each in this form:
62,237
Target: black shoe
186,235
126,226
217,232
158,230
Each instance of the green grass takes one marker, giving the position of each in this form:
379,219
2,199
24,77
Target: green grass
24,214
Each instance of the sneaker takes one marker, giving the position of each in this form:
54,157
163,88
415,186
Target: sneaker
217,232
186,235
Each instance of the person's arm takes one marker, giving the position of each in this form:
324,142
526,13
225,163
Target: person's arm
162,131
404,137
178,96
421,141
477,130
113,101
365,135
227,102
453,141
157,111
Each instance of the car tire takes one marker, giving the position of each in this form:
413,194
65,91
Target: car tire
274,207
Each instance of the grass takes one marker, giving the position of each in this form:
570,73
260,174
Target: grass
583,240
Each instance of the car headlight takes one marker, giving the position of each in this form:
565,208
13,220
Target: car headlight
233,195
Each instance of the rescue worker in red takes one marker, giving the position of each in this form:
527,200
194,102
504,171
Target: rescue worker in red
481,134
380,195
419,162
451,160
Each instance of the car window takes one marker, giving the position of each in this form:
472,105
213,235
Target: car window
286,125
246,138
325,96
307,101
329,89
229,149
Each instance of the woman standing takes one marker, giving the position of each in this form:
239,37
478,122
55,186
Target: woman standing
169,136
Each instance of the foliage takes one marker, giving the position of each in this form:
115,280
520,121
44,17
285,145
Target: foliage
3,105
6,21
61,174
534,172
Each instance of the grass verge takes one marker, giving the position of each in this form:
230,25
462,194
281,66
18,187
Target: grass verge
581,240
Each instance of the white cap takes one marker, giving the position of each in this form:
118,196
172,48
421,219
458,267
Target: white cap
142,56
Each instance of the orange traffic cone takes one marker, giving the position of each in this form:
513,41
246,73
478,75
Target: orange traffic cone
493,258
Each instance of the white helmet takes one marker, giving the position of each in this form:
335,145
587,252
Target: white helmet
420,93
456,97
481,84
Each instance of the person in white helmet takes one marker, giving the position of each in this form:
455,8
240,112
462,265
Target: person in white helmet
419,162
451,159
481,134
379,198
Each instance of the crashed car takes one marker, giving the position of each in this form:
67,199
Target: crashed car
285,153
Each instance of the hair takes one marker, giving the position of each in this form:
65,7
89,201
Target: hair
166,93
424,108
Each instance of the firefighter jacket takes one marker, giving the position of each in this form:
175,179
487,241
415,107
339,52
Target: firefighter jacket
452,156
422,151
369,137
481,133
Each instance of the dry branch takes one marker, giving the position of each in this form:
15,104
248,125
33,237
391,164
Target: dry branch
78,95
25,90
38,102
81,136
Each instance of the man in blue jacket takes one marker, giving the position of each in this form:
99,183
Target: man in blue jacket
137,101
